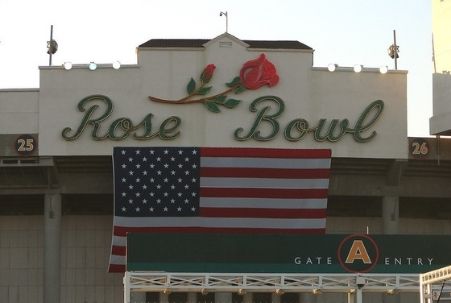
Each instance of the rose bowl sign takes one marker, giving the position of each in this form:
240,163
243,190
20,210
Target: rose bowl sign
224,96
254,74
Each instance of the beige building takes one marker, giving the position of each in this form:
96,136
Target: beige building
441,79
56,175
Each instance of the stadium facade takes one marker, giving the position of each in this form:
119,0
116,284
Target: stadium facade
56,189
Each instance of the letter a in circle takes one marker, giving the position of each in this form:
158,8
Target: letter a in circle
358,252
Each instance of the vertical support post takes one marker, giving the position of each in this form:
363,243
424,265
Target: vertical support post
126,282
52,239
351,297
390,214
396,49
51,39
358,295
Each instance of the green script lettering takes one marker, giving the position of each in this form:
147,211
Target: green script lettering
120,128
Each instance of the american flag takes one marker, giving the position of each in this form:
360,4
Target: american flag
188,189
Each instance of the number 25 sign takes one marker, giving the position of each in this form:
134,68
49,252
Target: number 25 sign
25,144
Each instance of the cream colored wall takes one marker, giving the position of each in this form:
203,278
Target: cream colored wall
19,111
21,259
85,248
441,24
308,93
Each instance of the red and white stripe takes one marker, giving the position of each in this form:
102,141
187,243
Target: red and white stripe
246,190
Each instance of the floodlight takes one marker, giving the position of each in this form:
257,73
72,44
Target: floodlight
383,69
92,66
332,67
116,65
67,65
358,68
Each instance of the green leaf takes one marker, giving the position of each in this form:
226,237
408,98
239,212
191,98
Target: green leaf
234,82
220,99
204,90
191,86
239,89
211,106
231,103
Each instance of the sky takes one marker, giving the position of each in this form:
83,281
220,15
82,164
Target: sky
344,32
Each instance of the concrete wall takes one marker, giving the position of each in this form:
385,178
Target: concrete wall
440,121
441,23
308,93
19,111
21,259
85,247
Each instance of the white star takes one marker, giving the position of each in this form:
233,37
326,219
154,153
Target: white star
193,194
138,151
152,194
138,165
152,180
130,201
158,159
145,173
124,209
123,152
166,165
152,165
173,172
144,186
137,209
158,201
193,208
172,159
152,151
130,186
165,194
165,209
194,152
179,180
130,159
151,209
144,201
179,194
144,159
179,208
194,180
138,194
194,166
187,172
124,180
165,180
186,159
180,152
166,151
130,173
186,186
124,165
172,186
124,194
138,180
180,165
186,201
159,172
172,201
158,186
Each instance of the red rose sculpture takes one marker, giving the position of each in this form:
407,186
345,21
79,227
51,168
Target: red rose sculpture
206,75
256,73
253,75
